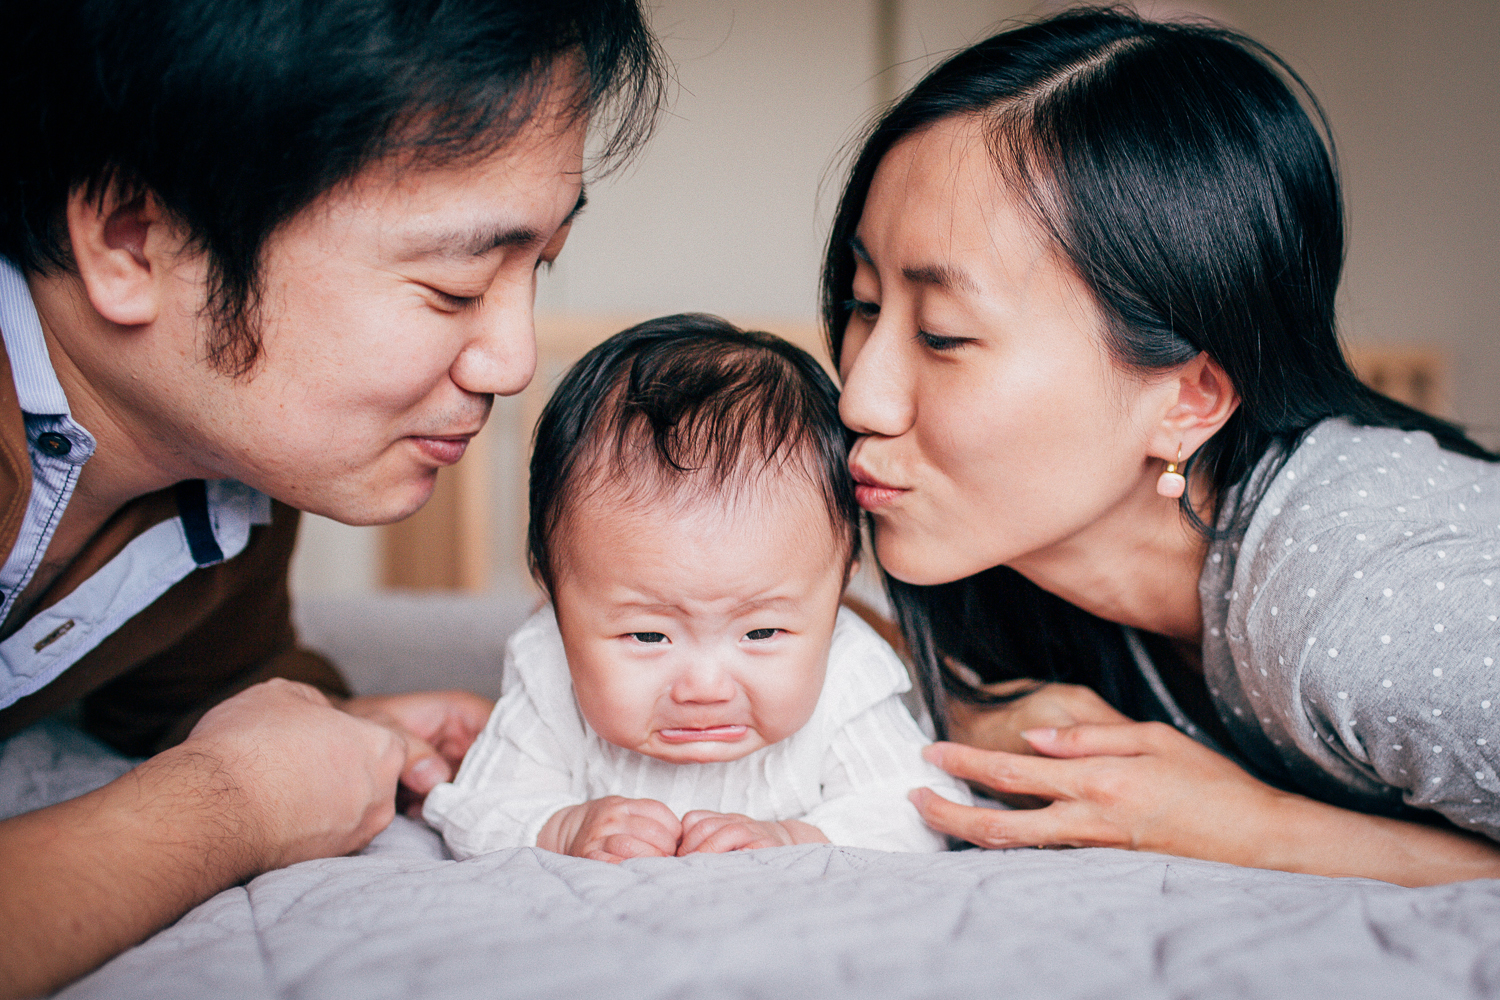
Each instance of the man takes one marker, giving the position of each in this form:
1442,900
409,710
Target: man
259,256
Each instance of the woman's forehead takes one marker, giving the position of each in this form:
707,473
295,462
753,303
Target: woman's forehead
940,214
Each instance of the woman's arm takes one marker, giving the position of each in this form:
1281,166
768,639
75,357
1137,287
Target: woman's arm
1145,786
270,777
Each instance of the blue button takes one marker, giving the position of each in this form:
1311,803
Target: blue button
54,444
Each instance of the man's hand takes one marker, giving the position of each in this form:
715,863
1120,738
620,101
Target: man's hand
706,832
273,776
613,829
300,779
438,727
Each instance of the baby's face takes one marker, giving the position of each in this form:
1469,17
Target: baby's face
699,635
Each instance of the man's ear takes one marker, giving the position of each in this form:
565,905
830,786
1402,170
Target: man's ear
120,248
1203,400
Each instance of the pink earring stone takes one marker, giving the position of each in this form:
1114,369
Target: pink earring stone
1171,485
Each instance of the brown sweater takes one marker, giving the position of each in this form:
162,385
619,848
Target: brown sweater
219,630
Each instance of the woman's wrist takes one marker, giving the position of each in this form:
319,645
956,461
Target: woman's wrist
1300,834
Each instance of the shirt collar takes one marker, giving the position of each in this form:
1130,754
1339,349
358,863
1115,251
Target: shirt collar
37,388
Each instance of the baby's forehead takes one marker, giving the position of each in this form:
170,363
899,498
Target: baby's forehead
783,497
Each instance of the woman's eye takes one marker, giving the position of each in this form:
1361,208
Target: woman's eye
867,311
649,636
933,342
757,634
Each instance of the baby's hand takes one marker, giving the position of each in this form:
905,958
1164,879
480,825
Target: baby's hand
705,832
613,829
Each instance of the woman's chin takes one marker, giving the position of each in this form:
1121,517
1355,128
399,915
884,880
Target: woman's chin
923,565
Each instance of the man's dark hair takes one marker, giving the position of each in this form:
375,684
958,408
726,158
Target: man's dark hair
692,407
237,114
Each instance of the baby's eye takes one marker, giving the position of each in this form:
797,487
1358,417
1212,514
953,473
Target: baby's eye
756,634
649,636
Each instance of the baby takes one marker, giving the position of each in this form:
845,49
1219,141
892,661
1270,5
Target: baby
694,685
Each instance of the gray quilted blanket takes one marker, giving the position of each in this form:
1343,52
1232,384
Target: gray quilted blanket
402,921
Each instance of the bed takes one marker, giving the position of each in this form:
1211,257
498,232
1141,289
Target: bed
401,920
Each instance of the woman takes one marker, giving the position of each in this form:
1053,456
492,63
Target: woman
1172,570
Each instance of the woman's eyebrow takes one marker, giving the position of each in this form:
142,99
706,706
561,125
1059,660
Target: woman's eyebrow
941,275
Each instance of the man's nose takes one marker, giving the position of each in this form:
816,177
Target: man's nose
499,358
878,396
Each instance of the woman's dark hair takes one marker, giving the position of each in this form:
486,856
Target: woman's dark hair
1176,168
687,406
237,114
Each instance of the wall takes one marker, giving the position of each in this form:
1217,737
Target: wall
727,209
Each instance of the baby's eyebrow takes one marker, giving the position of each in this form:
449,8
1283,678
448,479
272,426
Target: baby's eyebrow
765,604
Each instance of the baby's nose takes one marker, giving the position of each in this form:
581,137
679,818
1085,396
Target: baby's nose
703,683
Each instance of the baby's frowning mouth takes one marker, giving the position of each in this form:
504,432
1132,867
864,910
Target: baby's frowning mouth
705,734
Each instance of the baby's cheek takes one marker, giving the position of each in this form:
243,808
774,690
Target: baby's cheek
783,709
611,711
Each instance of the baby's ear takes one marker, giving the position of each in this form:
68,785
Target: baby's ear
853,571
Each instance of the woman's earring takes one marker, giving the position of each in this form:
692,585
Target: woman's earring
1171,484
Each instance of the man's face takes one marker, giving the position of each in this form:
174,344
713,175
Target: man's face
395,308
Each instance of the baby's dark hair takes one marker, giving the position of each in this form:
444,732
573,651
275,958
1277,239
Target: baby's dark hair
691,406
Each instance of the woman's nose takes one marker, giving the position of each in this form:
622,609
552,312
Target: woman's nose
499,357
703,683
878,397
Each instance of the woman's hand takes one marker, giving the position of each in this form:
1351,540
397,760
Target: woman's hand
1137,785
1145,786
707,832
999,727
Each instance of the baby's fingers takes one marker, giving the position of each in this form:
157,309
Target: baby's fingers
698,826
622,846
736,837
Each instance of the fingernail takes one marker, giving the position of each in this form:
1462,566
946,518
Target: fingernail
932,753
426,774
1044,735
915,795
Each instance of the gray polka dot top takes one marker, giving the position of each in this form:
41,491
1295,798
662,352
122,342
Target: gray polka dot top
1350,635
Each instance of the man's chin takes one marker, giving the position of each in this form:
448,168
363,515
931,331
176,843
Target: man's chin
363,508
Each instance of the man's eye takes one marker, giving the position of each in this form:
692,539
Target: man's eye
458,303
649,636
757,634
867,311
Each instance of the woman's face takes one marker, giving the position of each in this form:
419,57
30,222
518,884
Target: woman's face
995,429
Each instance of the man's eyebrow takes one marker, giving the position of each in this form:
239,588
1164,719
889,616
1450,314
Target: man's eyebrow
480,241
942,275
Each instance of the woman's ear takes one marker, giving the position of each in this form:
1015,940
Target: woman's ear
119,248
1204,399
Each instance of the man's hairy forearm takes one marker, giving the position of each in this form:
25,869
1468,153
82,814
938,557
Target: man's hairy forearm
88,878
